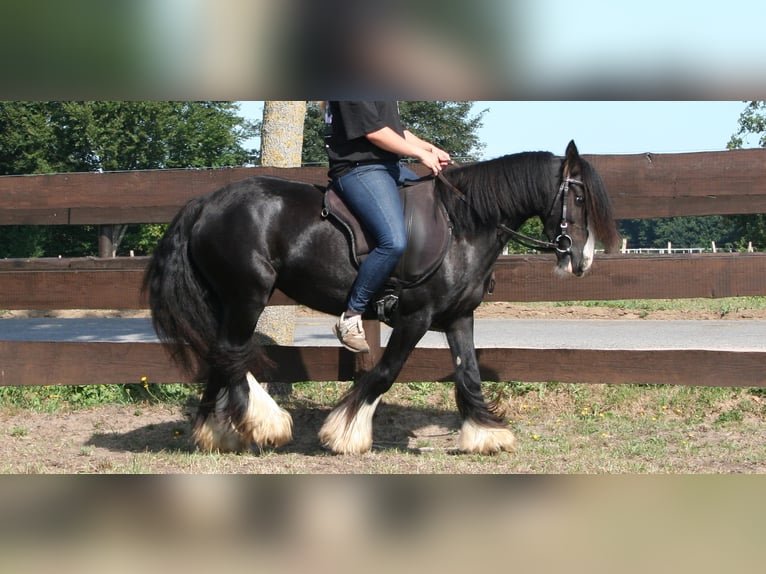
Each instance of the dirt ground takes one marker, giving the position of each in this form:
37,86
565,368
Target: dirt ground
413,433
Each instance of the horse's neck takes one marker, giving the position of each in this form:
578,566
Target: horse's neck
530,196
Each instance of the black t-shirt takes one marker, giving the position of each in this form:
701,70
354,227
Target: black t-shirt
346,143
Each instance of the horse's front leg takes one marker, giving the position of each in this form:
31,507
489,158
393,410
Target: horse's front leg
348,428
483,432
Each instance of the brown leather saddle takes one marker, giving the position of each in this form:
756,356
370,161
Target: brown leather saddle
429,231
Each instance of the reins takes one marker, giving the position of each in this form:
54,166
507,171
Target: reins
562,243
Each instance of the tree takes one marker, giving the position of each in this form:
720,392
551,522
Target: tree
313,136
448,125
752,121
109,136
27,139
692,231
282,133
48,137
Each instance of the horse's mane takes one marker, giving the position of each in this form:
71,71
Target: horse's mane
497,190
511,187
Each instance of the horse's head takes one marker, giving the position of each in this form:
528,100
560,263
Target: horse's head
580,214
566,193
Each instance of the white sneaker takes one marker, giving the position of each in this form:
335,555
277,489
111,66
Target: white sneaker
350,333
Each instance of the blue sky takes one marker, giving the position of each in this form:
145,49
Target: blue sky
609,127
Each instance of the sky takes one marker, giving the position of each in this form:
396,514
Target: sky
610,127
606,127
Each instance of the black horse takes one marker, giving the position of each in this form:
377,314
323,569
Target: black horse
224,254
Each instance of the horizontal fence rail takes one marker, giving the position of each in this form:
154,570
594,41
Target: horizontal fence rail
93,283
640,186
54,363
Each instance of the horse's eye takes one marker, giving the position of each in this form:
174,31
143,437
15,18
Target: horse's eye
580,200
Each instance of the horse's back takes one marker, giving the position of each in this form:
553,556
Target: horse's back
255,199
262,188
262,214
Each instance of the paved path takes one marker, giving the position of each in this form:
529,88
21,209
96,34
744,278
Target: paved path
516,333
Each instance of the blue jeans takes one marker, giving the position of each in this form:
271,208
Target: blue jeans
371,192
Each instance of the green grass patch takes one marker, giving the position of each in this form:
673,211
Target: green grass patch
51,399
324,394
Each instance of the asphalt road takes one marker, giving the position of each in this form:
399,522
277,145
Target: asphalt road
516,333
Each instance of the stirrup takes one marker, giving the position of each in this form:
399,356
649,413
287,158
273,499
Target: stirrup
387,307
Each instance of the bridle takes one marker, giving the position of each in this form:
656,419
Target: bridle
563,242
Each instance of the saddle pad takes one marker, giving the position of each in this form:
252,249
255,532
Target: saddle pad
429,231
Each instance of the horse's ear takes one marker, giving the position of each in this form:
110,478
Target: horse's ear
572,154
572,159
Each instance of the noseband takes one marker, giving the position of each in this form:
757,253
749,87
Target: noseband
563,242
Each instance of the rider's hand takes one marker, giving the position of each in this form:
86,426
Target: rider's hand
435,159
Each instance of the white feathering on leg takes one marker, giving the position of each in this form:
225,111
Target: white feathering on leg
266,423
478,439
216,432
354,437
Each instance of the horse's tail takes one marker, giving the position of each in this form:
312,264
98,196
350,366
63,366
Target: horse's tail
183,312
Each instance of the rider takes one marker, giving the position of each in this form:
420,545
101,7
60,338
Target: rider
364,142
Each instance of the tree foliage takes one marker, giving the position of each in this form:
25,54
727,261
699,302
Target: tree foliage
752,121
448,125
113,136
51,137
682,232
313,136
27,139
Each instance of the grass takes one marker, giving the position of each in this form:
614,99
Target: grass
52,399
722,306
637,429
582,428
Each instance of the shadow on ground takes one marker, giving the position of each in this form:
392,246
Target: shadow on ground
395,427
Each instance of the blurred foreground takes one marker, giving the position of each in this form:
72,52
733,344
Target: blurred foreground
381,525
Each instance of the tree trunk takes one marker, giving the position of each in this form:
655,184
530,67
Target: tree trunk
281,146
282,133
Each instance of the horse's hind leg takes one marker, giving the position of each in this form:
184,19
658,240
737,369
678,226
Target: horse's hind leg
236,411
483,432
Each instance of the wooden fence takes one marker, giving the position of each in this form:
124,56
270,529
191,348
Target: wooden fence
641,186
